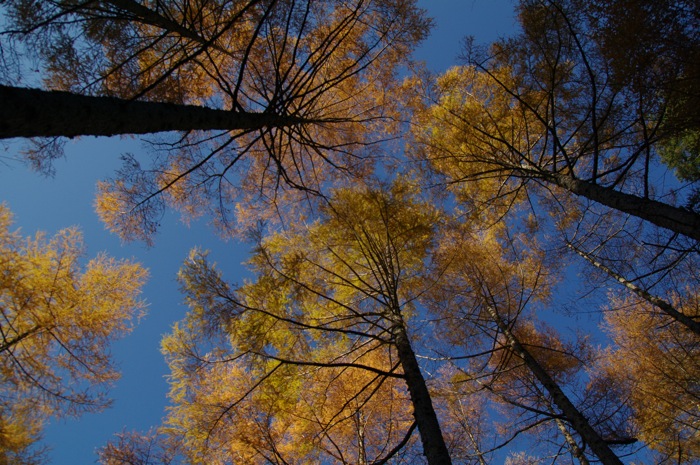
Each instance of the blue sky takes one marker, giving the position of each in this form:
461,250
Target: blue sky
50,204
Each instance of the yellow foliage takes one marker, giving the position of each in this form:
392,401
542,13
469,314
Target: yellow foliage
477,135
322,71
58,318
658,362
309,371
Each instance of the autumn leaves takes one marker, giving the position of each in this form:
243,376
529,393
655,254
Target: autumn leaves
394,313
58,317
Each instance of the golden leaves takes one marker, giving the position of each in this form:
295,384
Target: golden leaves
308,369
57,320
657,362
476,135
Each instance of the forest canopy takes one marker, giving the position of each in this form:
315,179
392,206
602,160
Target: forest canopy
493,263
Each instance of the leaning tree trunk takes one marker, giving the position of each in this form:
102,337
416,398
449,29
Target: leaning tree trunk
667,216
658,302
577,420
39,113
575,449
434,447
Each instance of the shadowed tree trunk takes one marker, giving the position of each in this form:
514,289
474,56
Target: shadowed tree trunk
39,113
434,446
667,216
572,414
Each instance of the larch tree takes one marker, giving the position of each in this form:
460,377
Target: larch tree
376,328
486,304
662,63
543,111
58,317
132,448
553,127
313,359
690,321
266,94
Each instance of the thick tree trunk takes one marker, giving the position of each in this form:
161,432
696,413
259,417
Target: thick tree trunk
575,418
661,214
434,446
39,113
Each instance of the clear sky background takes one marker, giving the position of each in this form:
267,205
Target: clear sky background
50,204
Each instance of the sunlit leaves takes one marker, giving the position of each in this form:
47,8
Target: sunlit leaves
142,449
475,134
301,362
311,354
657,362
541,111
545,120
58,318
324,69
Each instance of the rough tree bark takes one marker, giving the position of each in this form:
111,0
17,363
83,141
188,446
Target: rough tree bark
38,113
434,447
675,219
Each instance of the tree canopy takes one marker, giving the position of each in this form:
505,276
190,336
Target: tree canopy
290,93
497,263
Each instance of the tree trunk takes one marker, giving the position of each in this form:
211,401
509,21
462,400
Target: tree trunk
145,15
39,113
576,451
661,304
434,447
577,420
667,216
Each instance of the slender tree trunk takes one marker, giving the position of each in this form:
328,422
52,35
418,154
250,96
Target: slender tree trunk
573,446
667,216
475,443
577,420
434,447
39,113
664,306
361,449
